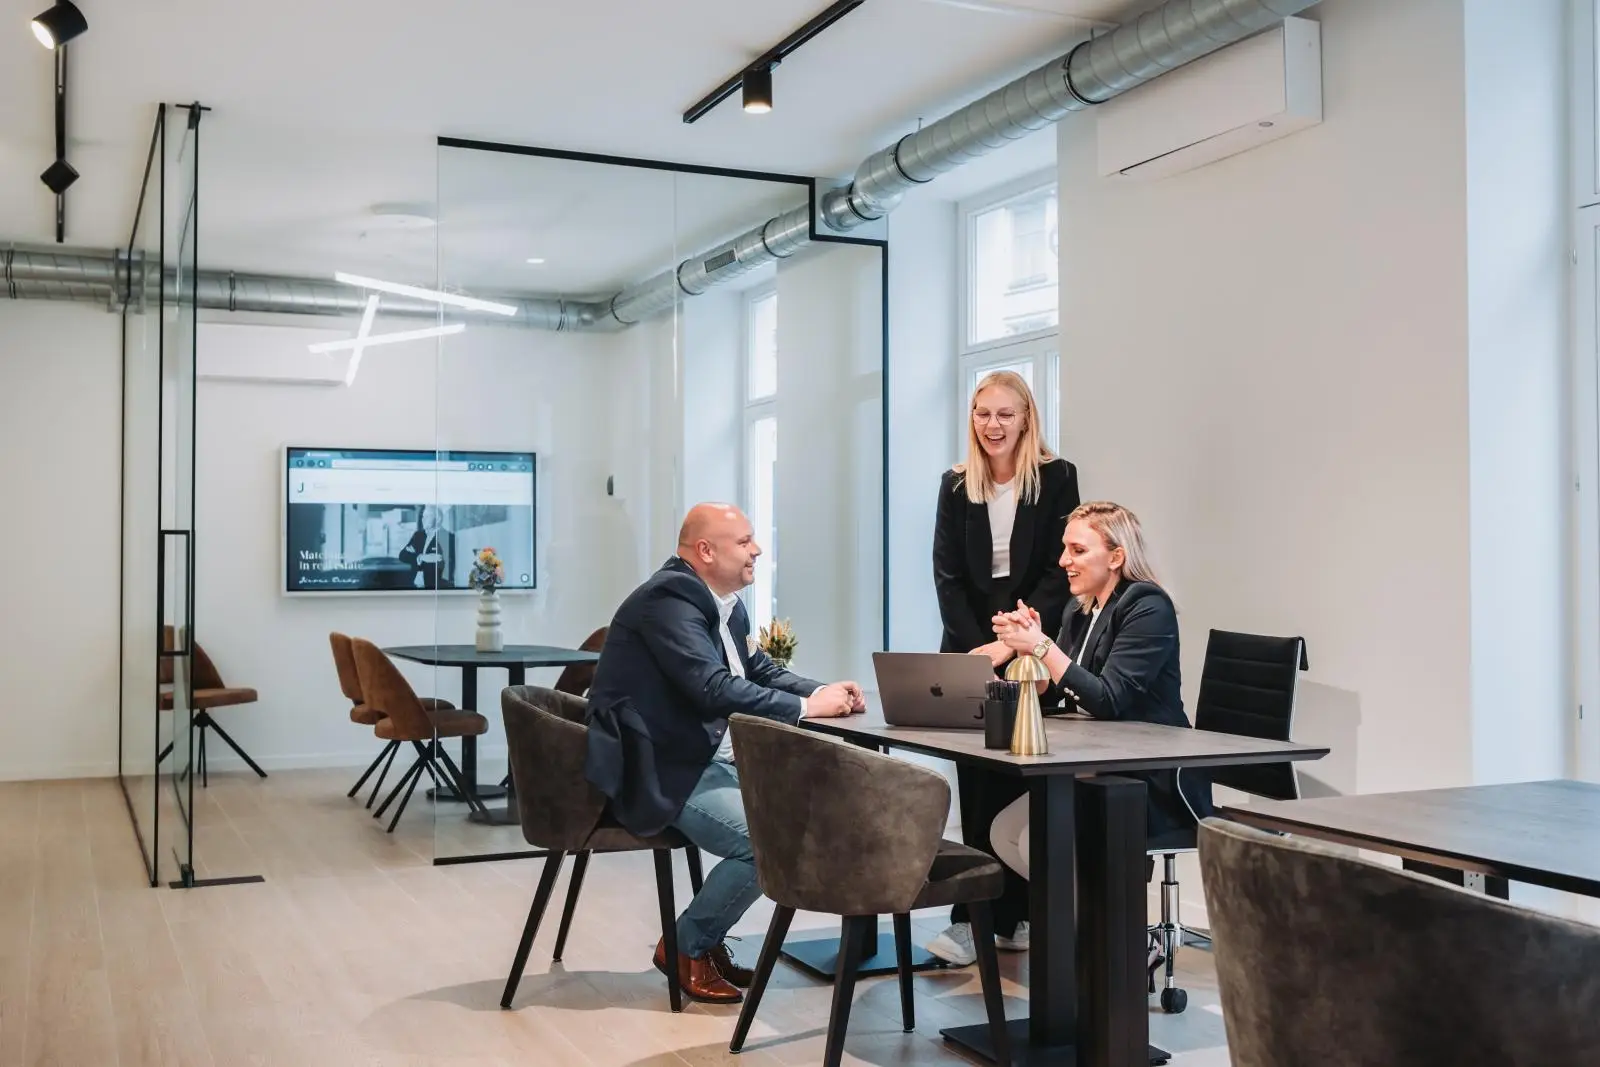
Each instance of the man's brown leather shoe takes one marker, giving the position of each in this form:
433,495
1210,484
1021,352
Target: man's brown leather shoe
699,979
735,974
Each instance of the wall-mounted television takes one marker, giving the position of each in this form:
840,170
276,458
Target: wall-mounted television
392,520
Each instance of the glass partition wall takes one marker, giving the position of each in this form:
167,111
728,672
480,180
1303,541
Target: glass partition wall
156,707
657,360
540,354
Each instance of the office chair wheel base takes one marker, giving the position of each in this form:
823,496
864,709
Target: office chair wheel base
1174,1001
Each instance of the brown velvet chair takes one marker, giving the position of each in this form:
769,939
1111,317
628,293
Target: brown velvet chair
405,719
344,662
845,831
210,692
1328,959
562,813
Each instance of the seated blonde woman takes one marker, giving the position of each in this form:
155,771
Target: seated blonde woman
1116,657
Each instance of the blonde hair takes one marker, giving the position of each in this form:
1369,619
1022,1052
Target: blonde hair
1118,528
1032,452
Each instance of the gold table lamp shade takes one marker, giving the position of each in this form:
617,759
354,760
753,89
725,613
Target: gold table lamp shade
1027,736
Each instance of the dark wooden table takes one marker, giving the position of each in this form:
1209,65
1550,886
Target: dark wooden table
1541,833
1086,995
515,660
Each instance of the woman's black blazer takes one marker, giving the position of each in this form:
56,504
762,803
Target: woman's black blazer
1129,671
963,553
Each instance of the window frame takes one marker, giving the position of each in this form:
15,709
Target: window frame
1585,385
1042,348
966,211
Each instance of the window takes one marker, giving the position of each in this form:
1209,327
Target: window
1585,185
1012,266
761,447
1010,270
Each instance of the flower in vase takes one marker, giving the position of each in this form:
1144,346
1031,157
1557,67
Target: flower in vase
778,641
488,572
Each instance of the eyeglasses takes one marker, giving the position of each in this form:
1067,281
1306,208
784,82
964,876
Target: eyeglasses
1004,418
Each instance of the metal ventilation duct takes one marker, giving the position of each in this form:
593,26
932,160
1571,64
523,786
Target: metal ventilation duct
1158,41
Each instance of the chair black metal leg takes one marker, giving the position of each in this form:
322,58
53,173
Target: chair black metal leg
467,791
777,930
412,771
205,776
394,750
697,876
989,978
579,867
406,799
541,900
231,743
163,754
371,767
902,958
669,924
851,933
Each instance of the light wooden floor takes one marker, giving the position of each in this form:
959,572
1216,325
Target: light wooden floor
357,951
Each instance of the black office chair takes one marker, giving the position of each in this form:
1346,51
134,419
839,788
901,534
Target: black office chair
1247,688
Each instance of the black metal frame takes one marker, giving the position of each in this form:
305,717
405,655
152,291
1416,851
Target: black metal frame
773,56
813,194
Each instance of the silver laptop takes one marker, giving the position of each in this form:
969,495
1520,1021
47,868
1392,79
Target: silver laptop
943,690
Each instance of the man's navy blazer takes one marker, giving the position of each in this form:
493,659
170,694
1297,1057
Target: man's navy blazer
662,695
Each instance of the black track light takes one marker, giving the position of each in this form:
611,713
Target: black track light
58,176
758,90
60,24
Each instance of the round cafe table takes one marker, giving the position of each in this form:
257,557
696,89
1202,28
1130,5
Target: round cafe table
515,660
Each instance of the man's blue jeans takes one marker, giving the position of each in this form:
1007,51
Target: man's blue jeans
713,818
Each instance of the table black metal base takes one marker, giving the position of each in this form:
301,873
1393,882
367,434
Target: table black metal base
975,1039
448,795
819,956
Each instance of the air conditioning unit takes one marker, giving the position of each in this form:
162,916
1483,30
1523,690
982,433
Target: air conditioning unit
1239,97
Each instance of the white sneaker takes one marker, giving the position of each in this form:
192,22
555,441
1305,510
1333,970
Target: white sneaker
1017,942
954,945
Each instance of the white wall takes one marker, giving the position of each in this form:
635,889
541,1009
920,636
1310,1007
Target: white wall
1518,344
60,418
829,467
489,388
1267,359
923,382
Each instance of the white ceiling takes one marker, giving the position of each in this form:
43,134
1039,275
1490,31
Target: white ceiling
321,110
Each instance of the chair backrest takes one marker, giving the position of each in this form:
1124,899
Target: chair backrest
836,828
205,671
577,678
549,745
387,691
1247,687
1328,959
344,661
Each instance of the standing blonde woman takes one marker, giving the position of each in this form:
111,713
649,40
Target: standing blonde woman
996,538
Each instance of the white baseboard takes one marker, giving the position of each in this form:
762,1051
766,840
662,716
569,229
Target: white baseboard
58,772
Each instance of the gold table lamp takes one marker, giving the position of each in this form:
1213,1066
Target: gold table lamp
1027,736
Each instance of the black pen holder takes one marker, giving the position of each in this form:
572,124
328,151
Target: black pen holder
999,722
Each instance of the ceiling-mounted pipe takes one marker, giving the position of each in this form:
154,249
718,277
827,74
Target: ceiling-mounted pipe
1178,32
1158,41
105,277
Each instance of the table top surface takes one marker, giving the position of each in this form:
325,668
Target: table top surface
1542,833
510,656
1078,745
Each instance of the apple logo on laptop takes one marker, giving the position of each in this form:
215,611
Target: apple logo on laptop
936,689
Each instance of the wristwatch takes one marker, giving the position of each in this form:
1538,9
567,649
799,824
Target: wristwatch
1042,648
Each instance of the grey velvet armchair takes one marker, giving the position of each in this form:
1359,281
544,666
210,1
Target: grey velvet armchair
1328,959
563,814
838,829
